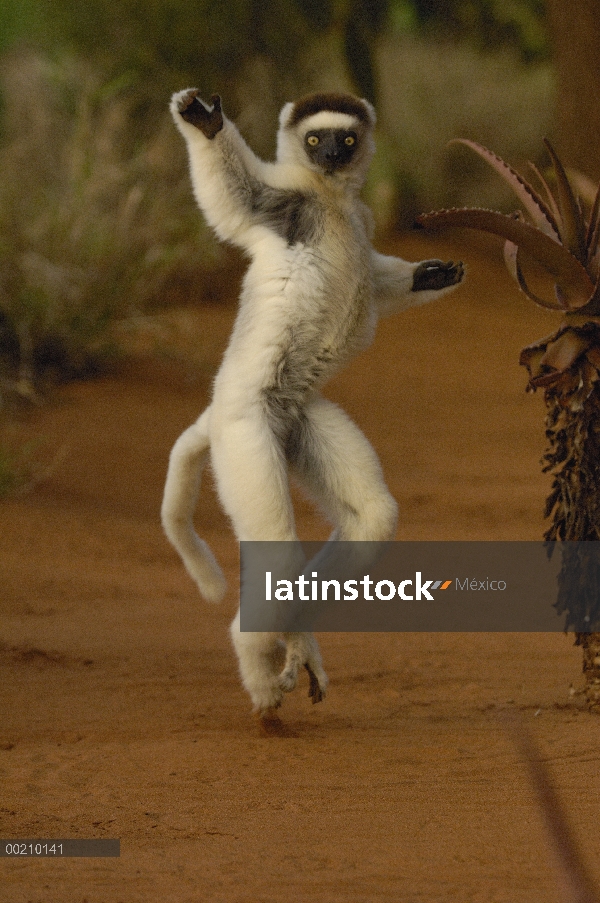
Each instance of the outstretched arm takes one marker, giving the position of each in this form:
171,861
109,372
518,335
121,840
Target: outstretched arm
398,284
225,173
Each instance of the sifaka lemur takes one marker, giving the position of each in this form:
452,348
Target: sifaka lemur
310,301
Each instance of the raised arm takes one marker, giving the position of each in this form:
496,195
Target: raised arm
226,174
398,284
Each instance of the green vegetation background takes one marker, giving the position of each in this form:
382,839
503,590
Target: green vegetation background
97,221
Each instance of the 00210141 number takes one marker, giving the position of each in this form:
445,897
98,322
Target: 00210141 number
41,848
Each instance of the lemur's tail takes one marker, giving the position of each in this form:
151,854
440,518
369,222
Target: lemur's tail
182,488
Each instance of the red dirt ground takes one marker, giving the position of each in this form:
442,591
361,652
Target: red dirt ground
122,715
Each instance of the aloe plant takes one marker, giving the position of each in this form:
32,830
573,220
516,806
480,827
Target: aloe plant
553,233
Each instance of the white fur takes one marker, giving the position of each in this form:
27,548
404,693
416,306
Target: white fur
326,119
290,140
315,303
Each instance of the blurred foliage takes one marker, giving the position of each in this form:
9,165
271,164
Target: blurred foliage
487,24
365,20
97,218
432,92
21,20
85,237
165,41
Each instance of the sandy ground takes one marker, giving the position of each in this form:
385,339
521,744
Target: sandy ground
121,711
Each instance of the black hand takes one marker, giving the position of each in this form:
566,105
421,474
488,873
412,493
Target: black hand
435,274
193,111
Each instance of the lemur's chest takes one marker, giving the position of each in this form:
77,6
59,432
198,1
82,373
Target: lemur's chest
307,293
320,283
329,221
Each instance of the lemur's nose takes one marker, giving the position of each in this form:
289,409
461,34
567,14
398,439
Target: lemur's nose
331,150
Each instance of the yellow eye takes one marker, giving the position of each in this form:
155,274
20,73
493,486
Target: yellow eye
349,140
312,140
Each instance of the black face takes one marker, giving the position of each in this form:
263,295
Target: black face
331,149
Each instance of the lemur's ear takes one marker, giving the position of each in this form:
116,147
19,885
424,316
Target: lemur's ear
371,110
284,116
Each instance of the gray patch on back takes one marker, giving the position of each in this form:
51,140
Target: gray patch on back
296,217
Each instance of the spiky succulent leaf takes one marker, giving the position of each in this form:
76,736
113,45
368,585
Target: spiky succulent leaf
511,259
529,198
572,226
593,233
553,257
548,196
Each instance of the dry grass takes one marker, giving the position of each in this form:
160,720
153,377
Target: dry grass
95,221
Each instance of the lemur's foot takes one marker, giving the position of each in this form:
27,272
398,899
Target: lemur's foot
317,684
288,678
194,111
315,691
267,701
432,275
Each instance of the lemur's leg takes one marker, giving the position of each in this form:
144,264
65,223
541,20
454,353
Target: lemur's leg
251,475
340,470
261,657
302,649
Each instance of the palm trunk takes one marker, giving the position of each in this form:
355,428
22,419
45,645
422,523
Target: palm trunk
565,242
573,458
